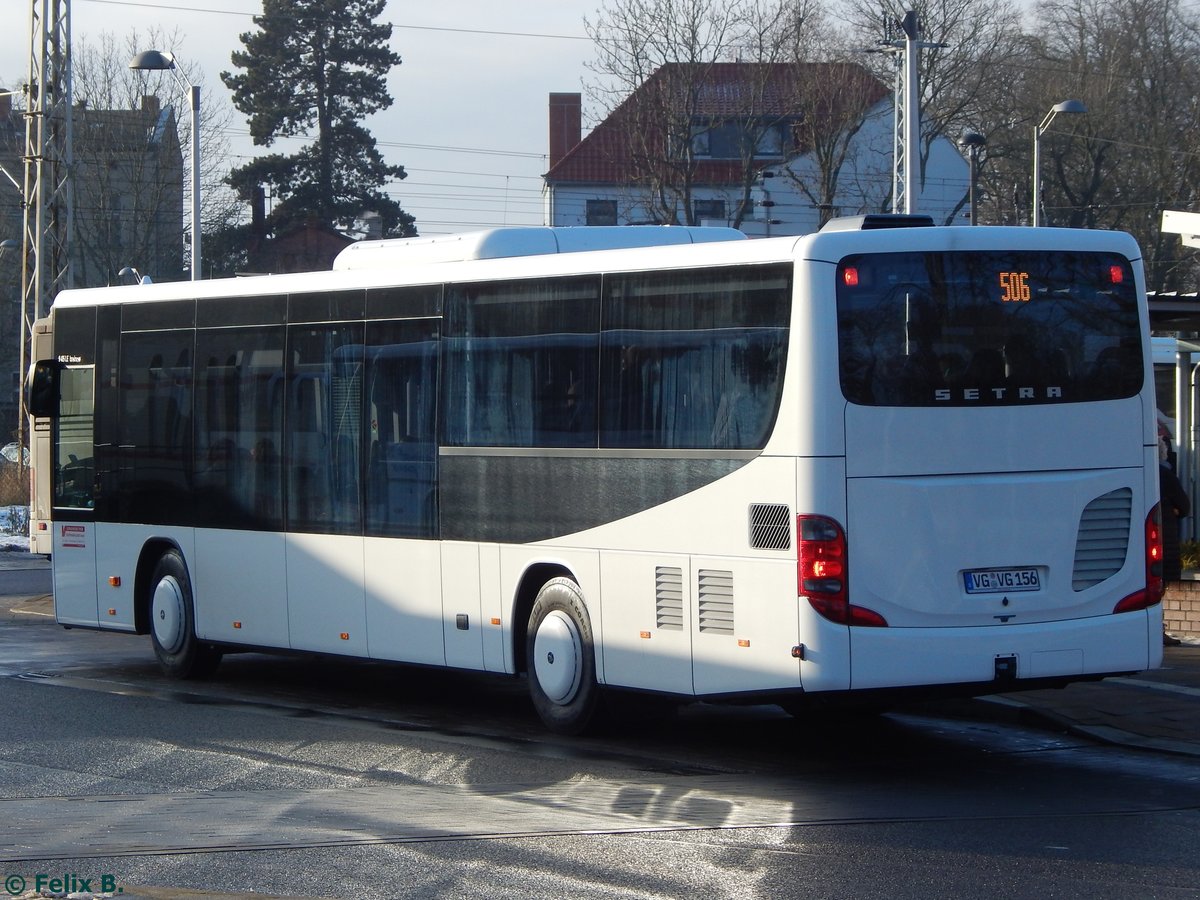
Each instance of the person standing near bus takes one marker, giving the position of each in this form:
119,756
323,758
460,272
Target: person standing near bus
1175,506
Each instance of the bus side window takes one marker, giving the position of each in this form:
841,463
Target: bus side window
401,395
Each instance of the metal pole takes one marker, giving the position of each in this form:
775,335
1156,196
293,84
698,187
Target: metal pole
195,92
974,205
1184,443
1037,176
912,122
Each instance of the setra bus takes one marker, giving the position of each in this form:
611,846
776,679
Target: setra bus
883,460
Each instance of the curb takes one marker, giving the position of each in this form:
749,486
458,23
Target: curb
1105,734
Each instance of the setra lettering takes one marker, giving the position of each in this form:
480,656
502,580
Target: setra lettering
947,395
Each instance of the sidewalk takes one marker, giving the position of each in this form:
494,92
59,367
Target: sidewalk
1156,710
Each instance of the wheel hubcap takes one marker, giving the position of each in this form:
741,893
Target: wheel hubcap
558,657
166,614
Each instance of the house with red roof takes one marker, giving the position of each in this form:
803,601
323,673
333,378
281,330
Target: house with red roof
773,149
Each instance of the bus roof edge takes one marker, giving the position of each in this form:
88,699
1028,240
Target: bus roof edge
498,243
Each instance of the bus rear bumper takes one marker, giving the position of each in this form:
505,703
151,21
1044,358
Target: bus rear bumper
1006,654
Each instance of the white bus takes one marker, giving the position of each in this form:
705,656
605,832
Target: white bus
864,464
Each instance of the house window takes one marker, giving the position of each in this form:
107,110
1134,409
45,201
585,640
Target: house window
733,138
602,212
708,209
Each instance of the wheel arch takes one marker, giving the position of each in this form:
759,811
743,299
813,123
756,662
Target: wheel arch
152,552
532,580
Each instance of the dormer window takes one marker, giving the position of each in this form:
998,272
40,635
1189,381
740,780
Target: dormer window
733,138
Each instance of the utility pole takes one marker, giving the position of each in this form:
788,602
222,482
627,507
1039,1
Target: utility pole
906,139
47,195
49,202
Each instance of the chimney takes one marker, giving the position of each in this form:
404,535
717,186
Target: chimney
566,125
150,104
258,211
5,106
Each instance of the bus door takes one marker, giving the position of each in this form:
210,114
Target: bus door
74,471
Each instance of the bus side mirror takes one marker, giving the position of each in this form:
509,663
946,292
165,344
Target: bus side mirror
43,388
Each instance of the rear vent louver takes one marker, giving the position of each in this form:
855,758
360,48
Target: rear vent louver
770,526
1103,541
716,601
668,598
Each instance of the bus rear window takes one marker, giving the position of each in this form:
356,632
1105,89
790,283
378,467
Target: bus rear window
987,328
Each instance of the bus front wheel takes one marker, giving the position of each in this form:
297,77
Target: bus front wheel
560,659
173,622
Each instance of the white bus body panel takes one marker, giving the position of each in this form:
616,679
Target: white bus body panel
920,582
239,580
327,603
461,597
735,606
118,548
642,648
404,610
75,573
888,441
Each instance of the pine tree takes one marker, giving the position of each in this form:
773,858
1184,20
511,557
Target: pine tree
319,63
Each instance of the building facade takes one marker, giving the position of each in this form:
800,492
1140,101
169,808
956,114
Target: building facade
770,149
127,185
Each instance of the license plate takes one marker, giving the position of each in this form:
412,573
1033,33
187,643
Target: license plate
995,581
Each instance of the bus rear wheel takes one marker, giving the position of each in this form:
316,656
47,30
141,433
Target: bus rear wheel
560,658
173,622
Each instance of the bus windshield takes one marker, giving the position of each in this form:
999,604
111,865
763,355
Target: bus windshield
987,328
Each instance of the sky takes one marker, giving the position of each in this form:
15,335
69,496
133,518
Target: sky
469,121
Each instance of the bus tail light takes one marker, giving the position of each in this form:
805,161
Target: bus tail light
1155,584
822,570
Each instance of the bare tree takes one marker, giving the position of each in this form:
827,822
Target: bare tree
1136,66
837,99
666,84
966,84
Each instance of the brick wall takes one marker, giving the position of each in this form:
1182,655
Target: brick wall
1181,607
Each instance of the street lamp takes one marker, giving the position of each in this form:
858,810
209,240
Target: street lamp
971,141
1067,106
154,60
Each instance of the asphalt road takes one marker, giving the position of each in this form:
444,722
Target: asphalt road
304,776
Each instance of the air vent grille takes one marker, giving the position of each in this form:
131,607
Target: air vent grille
716,601
770,526
1103,540
668,598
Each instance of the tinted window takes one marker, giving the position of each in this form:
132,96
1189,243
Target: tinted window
521,360
998,328
401,405
693,359
239,430
73,440
155,412
324,424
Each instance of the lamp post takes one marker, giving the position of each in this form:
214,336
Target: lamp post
154,60
1067,106
971,141
11,245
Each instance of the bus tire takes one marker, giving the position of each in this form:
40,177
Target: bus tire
560,658
173,622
